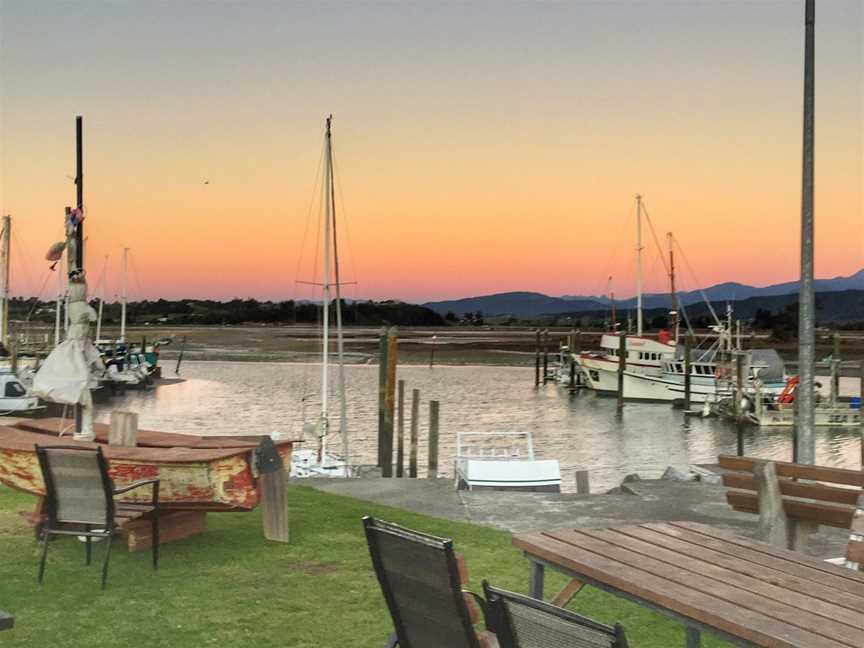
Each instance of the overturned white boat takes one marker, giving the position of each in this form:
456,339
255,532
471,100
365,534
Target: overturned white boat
503,461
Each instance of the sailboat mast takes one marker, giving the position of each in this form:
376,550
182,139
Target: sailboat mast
4,289
340,345
124,296
638,265
673,292
325,289
59,310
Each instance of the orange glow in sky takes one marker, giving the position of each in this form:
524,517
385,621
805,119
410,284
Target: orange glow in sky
480,147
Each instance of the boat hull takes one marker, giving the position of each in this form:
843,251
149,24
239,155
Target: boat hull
190,478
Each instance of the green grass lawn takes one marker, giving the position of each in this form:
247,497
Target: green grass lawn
229,587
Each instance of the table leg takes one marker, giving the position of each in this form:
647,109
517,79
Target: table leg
535,580
694,638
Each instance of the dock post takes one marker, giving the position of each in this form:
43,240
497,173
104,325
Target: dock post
400,426
537,358
688,349
835,370
545,355
622,363
390,402
583,486
738,394
415,426
382,392
432,468
572,375
124,429
432,352
13,358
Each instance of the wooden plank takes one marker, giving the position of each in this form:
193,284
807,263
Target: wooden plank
800,471
785,560
655,548
571,589
654,534
709,610
855,552
172,526
827,514
805,490
686,572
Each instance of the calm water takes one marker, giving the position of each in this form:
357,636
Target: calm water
581,431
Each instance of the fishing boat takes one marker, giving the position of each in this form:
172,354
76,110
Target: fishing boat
209,473
643,355
319,462
503,461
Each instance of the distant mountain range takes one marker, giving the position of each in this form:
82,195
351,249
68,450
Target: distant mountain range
530,304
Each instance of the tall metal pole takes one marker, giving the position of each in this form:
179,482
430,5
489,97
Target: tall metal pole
638,265
806,444
79,231
124,296
325,300
4,288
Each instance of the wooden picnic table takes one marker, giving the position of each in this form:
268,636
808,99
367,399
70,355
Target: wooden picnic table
744,591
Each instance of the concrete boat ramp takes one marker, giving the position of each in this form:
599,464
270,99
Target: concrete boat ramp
635,502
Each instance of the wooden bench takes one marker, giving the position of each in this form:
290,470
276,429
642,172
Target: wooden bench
792,498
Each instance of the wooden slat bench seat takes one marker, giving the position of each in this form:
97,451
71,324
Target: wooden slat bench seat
787,495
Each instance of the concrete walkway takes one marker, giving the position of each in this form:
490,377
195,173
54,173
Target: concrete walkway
647,501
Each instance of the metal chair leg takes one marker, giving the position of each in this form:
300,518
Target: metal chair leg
45,538
88,550
107,557
155,534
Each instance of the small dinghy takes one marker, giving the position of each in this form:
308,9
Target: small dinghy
503,461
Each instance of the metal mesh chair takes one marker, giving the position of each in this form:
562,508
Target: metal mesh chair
523,622
79,501
420,580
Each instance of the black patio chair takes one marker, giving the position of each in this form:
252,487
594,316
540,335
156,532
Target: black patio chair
421,582
79,501
523,622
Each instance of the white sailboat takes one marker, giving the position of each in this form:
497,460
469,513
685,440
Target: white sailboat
319,462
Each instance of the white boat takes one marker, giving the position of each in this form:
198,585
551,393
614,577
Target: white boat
15,398
498,461
644,356
320,462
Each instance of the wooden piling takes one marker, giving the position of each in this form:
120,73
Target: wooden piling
572,374
582,484
622,364
545,355
432,352
739,393
688,349
124,429
400,427
432,467
13,359
835,370
537,358
390,402
415,426
382,393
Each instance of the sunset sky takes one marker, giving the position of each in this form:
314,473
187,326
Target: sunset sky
481,147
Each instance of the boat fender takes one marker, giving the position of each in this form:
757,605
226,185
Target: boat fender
267,458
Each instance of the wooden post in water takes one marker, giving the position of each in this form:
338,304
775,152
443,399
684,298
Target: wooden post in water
432,468
390,402
688,350
835,370
622,364
124,429
382,393
537,358
415,426
739,393
545,354
179,357
400,426
432,352
583,486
